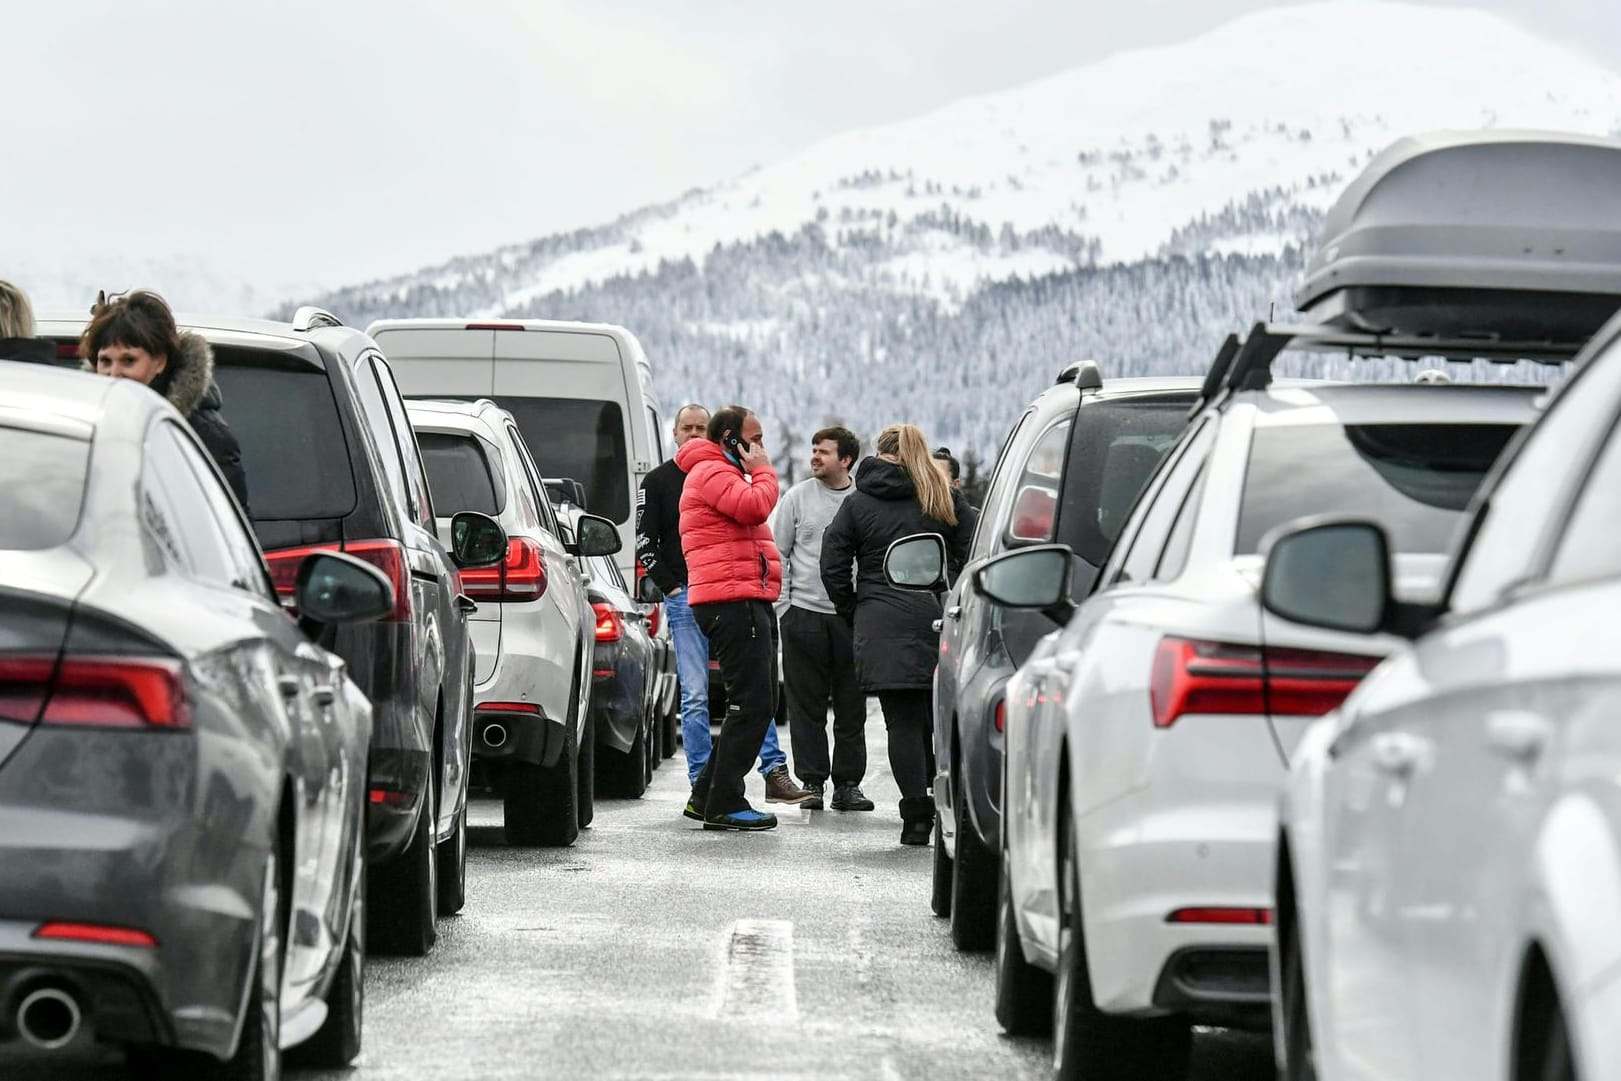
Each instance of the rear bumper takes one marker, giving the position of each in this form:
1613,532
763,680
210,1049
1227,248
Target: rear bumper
114,988
616,712
526,671
517,737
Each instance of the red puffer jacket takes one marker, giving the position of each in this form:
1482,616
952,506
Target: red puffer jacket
724,535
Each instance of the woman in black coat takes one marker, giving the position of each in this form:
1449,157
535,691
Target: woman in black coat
898,493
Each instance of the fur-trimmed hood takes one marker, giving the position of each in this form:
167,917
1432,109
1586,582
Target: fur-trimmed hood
188,381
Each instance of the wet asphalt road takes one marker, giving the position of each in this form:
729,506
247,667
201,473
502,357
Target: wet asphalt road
654,950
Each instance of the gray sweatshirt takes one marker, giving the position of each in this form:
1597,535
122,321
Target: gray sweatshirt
797,525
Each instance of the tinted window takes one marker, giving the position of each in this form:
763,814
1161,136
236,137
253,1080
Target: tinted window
1414,479
405,438
581,439
293,452
1115,448
1149,544
41,487
1000,493
177,514
1591,546
247,569
459,474
1035,504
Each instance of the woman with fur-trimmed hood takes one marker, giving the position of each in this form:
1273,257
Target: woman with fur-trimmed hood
135,337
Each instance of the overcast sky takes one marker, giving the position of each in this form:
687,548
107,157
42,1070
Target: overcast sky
329,140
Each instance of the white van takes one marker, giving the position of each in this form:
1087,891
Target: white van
581,394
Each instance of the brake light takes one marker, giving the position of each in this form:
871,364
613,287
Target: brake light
94,932
521,576
1034,513
507,707
67,350
387,556
1252,916
390,797
92,691
1217,677
1001,715
24,683
494,326
610,628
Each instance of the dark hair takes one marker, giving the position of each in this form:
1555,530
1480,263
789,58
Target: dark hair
728,419
944,454
139,320
849,445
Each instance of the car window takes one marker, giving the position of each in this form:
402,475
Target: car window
1522,507
1175,558
1414,479
1149,542
536,500
416,480
249,571
295,455
375,413
177,515
583,439
459,473
1590,547
1116,447
999,496
42,478
1035,498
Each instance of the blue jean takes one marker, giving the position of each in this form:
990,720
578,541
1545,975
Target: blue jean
692,671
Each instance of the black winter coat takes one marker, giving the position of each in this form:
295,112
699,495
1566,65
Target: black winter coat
896,645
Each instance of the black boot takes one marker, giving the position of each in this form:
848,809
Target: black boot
917,820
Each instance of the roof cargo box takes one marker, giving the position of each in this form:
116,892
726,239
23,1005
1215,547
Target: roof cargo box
1501,235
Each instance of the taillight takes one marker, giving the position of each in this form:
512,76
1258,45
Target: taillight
610,628
521,576
1001,715
100,934
1034,512
387,556
91,691
1192,676
1253,916
494,326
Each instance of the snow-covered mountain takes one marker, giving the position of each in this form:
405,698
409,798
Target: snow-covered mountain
941,269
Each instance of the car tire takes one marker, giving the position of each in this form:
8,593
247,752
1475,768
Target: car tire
453,869
940,893
586,776
973,892
1024,993
1299,1054
624,773
336,1044
1088,1043
541,803
405,891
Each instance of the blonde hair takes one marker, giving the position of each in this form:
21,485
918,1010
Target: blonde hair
906,442
16,314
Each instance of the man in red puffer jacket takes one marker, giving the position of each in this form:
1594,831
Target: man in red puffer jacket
733,575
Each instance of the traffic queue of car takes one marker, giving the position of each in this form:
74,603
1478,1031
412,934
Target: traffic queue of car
1288,705
236,745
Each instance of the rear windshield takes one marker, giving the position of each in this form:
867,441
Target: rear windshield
459,475
41,487
582,439
293,451
1414,479
1114,448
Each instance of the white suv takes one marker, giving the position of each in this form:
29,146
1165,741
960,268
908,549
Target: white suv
531,630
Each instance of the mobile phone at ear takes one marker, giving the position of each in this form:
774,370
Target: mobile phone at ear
737,446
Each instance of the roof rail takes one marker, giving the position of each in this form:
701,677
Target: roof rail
1085,374
1246,363
309,317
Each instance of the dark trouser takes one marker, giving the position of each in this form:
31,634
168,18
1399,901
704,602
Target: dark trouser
743,638
909,716
818,667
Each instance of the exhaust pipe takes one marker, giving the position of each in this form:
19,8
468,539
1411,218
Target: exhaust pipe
49,1019
495,736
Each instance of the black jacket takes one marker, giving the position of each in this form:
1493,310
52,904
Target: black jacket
30,350
658,527
896,645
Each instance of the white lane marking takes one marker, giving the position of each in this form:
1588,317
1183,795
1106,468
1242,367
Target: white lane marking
758,978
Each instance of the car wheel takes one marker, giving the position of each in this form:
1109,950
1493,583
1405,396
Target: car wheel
586,776
624,773
940,893
541,803
1088,1043
973,892
453,869
1299,1056
336,1043
406,891
1024,993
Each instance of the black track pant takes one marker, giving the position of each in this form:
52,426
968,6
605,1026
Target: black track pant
819,668
743,638
909,717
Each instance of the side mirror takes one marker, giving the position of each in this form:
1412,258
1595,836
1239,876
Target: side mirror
1329,574
335,588
596,537
476,540
917,563
1037,577
647,592
564,490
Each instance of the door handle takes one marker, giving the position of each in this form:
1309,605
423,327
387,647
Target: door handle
1518,735
1397,753
954,612
938,625
324,694
466,604
288,685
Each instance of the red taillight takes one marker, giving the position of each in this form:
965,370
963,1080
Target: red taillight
94,932
386,555
92,691
1252,916
521,576
390,797
1001,715
1034,512
1216,677
507,707
67,350
610,628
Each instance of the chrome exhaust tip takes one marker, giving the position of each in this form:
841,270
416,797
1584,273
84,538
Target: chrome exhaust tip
49,1019
494,736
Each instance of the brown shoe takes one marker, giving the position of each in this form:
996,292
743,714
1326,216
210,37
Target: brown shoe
780,788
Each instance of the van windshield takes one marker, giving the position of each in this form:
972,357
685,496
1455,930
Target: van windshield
579,438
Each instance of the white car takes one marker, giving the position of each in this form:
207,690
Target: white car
1145,742
532,685
1449,859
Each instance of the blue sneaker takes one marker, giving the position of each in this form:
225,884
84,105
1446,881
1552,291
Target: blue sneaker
746,820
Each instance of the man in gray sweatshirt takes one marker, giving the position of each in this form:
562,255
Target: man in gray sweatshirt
818,659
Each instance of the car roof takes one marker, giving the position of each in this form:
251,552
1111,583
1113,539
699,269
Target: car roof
264,334
497,323
1392,403
65,400
1169,385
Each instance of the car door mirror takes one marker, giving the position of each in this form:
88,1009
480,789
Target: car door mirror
917,563
595,536
1334,575
647,592
331,587
1037,577
476,540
